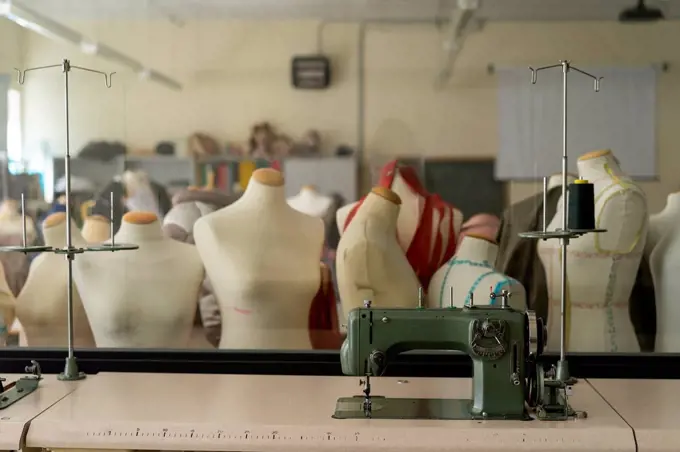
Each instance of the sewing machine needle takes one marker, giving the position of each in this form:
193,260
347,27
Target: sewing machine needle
367,397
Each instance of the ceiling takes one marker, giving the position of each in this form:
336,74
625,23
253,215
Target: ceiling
350,10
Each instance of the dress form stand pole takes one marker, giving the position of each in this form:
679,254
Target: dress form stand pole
564,234
71,371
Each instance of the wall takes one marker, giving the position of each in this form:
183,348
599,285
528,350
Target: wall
238,73
12,46
234,74
405,115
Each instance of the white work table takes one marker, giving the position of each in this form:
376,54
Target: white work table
293,413
651,407
15,418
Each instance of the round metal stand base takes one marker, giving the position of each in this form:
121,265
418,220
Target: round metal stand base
79,376
558,234
25,249
115,247
71,372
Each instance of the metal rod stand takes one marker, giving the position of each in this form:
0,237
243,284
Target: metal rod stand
71,371
562,373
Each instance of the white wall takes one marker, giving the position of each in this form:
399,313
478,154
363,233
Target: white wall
12,46
234,74
237,73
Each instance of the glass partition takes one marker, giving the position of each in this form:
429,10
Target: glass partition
278,166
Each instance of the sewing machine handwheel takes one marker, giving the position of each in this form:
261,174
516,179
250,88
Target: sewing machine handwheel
534,387
536,335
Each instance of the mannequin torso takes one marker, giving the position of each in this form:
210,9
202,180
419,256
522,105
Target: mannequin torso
96,229
370,263
42,303
471,271
663,222
664,261
427,227
311,202
142,298
602,267
262,257
11,223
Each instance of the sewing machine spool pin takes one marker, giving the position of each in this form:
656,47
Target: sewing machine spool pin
504,296
421,298
111,234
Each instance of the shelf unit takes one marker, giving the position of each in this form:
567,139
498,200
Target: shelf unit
231,174
328,174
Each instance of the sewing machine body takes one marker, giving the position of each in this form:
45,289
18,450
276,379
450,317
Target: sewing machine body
494,337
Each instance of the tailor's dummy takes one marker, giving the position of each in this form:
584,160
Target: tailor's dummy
42,303
663,222
664,231
143,298
311,202
471,273
11,223
188,206
262,257
370,263
427,227
602,267
481,224
96,229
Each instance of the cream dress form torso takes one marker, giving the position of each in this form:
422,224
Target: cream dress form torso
663,222
262,257
369,261
142,298
471,272
664,262
311,202
601,268
96,229
11,223
8,319
410,213
42,302
556,180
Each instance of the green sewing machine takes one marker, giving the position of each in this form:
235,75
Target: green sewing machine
504,344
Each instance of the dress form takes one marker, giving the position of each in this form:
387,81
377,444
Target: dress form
664,261
370,263
663,222
42,303
262,257
311,202
481,225
96,229
601,267
11,223
143,298
471,273
427,227
556,180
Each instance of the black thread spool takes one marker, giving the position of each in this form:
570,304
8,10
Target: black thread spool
581,205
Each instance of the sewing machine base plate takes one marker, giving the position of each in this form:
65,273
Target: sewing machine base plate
395,408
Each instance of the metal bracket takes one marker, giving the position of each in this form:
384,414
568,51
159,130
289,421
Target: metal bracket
22,387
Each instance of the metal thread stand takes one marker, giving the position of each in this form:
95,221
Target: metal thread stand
71,371
564,234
